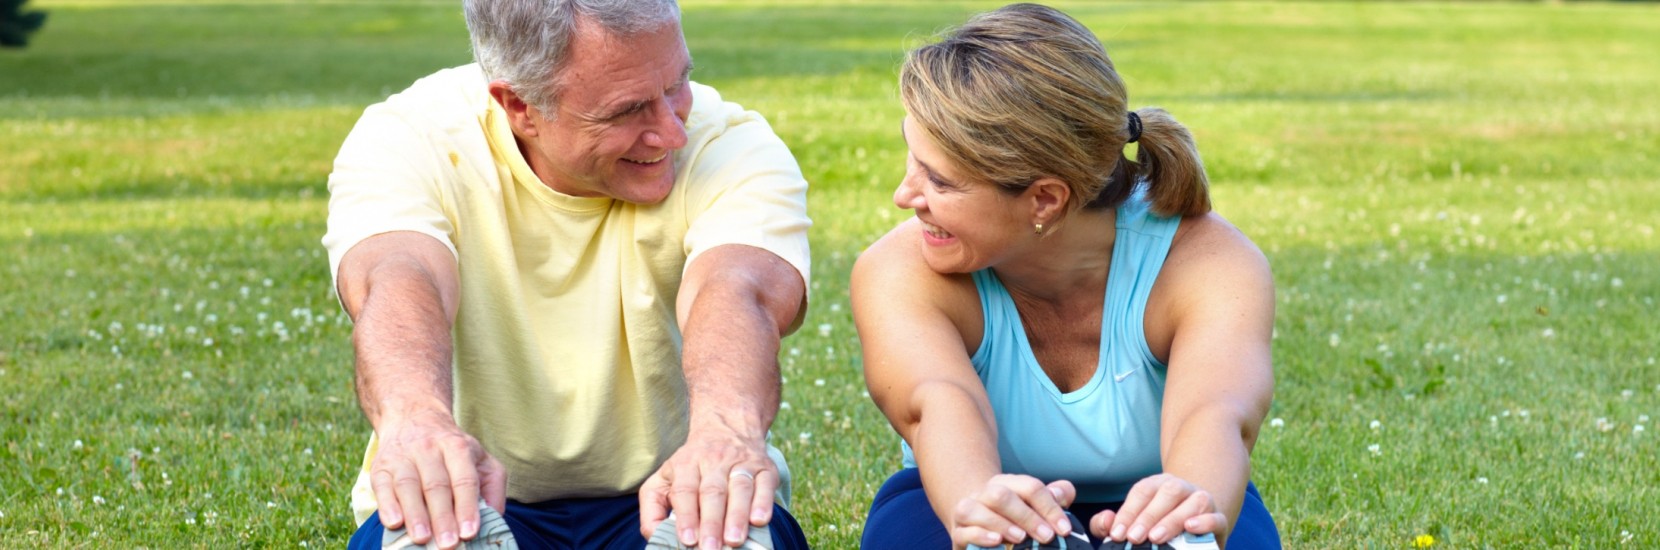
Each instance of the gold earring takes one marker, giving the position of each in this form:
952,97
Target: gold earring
1038,229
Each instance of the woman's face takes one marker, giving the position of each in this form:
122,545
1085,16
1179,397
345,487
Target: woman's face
965,226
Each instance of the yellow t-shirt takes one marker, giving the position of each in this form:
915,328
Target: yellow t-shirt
567,349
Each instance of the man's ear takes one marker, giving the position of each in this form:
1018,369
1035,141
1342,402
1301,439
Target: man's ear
520,115
1049,198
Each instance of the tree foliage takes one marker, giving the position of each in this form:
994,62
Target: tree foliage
16,25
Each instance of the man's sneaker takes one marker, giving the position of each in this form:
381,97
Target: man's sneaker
493,534
664,538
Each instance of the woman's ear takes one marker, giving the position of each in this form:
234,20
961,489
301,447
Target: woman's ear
520,115
1049,197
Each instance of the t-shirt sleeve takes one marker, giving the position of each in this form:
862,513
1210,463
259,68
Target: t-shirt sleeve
384,180
749,190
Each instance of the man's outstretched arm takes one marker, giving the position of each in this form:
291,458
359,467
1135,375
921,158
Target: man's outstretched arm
402,291
735,304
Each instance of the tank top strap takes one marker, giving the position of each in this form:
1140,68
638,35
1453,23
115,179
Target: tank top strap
1139,250
995,306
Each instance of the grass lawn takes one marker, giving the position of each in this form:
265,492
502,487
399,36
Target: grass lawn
1459,202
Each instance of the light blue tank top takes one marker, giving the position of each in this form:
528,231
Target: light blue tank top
1104,436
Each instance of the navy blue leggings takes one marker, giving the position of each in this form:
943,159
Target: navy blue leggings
901,519
583,523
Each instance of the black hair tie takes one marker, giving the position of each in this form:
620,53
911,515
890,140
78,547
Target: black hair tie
1135,127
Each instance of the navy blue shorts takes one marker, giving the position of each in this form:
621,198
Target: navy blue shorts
901,519
583,523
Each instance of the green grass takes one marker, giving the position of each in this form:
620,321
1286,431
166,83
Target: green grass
1457,199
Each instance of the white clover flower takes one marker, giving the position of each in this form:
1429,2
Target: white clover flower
1604,425
835,307
207,341
1579,455
805,436
797,351
190,331
1523,413
98,500
269,504
818,382
1627,394
1616,282
267,283
1637,430
1481,480
1548,333
1501,298
1375,449
78,445
824,329
1277,423
783,405
1376,425
187,376
244,292
1642,418
211,318
1334,340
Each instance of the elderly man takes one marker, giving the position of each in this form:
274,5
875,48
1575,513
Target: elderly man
569,268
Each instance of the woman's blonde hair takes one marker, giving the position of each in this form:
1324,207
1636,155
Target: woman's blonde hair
1026,92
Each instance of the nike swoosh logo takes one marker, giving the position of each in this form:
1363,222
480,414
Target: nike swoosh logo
1121,377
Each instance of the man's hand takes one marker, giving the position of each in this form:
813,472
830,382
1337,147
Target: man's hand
401,289
430,474
735,303
715,480
1158,509
1010,508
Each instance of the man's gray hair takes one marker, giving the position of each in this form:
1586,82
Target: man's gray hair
526,42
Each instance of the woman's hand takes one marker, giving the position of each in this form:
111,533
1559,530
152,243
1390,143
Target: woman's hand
1158,509
1009,509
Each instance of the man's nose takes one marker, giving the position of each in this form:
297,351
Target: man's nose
667,131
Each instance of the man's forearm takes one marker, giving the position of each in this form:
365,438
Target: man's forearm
403,345
730,360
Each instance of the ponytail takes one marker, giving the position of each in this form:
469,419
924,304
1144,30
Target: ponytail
1169,162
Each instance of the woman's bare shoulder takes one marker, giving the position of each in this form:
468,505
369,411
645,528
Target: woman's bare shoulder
892,276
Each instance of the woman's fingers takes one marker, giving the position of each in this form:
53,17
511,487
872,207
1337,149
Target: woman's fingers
1197,504
1101,524
1149,502
973,514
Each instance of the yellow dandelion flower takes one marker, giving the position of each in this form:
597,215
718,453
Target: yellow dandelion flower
1423,541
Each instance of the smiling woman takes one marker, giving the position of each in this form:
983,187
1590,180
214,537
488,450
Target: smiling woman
1019,389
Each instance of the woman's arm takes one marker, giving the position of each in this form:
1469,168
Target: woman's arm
916,327
1210,317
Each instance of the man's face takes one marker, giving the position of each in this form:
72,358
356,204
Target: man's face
621,114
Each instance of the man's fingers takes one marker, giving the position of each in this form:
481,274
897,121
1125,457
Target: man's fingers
740,495
465,486
760,511
440,500
493,483
711,508
406,483
683,499
386,499
654,504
